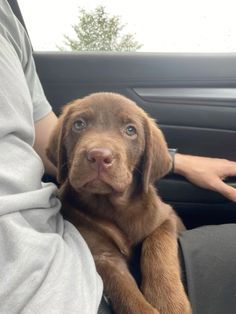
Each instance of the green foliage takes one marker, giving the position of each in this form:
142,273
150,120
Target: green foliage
99,31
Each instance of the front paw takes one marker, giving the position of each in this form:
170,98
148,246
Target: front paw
179,305
173,302
183,307
151,310
135,308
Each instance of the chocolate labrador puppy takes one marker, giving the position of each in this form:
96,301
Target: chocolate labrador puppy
108,153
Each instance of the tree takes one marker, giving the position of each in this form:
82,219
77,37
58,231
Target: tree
99,31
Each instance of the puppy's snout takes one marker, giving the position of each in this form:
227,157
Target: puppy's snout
100,158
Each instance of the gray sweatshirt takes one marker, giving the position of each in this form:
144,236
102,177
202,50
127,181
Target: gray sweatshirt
45,265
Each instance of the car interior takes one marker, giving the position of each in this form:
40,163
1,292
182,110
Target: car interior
192,97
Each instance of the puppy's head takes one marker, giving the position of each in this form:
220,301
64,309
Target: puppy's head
104,142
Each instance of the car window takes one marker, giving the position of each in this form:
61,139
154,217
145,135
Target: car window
150,26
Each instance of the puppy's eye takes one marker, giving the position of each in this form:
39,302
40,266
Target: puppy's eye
79,125
130,130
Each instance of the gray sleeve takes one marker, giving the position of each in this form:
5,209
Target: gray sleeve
17,35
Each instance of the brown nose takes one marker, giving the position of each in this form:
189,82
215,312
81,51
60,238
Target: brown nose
100,157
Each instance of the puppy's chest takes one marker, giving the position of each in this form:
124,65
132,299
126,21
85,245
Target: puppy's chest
125,225
137,228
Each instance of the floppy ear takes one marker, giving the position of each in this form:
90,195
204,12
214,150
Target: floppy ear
56,151
157,161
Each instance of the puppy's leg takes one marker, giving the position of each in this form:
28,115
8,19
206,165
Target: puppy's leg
120,287
161,282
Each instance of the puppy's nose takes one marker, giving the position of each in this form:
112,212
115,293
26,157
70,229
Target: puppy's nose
100,157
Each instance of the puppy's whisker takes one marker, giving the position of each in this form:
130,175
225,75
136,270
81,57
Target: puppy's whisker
138,170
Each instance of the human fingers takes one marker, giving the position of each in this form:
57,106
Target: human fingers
231,168
225,189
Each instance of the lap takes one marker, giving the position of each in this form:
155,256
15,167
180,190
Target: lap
209,256
209,269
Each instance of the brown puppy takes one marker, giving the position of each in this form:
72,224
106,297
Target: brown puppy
108,153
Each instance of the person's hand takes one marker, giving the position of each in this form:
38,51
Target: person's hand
43,131
207,173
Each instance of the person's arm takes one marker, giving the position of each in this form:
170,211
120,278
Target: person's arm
207,173
43,130
44,118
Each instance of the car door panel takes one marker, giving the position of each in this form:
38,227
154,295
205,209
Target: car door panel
192,97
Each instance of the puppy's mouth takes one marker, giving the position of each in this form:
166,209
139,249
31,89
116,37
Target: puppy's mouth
98,186
99,182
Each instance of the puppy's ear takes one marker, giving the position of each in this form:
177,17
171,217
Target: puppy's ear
157,161
56,151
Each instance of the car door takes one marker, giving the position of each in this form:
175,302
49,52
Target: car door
192,96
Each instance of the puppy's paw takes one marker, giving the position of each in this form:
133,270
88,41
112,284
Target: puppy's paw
185,307
180,306
151,311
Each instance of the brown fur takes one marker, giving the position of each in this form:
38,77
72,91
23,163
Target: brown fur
107,172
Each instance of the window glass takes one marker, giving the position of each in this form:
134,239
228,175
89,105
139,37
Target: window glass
150,25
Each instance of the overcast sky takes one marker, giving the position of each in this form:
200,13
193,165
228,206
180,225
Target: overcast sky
159,25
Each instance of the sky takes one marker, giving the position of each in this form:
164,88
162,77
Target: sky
159,25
